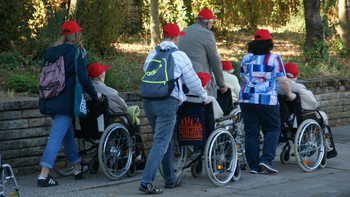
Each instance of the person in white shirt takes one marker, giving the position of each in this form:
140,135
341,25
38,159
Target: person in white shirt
230,80
161,114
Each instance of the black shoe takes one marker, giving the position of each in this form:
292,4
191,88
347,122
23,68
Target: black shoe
79,174
46,182
150,189
268,168
172,185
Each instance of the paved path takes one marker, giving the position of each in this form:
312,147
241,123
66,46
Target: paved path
334,180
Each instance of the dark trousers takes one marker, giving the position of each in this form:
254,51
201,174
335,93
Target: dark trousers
256,118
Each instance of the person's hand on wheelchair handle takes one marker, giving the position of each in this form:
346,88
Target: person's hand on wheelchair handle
291,96
223,88
207,101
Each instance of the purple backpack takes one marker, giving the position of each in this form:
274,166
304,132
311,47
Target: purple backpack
52,80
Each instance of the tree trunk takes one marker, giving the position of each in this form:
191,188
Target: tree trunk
313,23
344,17
72,9
155,35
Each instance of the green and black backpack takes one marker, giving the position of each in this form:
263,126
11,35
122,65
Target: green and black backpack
158,81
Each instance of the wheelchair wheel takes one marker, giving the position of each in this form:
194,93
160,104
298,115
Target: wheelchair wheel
220,157
93,165
179,160
309,145
62,168
132,170
86,149
285,154
197,168
238,173
115,151
323,163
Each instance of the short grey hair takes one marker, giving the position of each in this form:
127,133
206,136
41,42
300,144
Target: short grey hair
98,77
207,20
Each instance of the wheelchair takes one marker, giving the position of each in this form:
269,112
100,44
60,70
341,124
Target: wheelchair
200,140
110,142
312,139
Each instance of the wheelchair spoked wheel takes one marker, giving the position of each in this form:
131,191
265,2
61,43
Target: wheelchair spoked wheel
115,151
179,160
86,150
197,168
309,145
220,157
62,167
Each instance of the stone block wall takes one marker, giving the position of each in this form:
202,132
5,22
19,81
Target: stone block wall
24,131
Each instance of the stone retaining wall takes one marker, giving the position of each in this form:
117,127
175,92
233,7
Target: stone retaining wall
24,131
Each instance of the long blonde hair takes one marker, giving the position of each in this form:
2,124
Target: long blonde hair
74,38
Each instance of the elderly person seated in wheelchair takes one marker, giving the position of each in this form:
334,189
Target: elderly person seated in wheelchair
97,74
308,100
205,78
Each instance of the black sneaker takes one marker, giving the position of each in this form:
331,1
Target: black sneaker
172,185
46,182
149,188
79,174
268,168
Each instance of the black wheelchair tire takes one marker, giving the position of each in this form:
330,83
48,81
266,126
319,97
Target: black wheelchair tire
197,168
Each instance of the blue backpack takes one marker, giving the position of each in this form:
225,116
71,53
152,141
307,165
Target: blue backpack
158,81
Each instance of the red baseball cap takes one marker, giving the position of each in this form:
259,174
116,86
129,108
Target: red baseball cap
262,34
172,30
291,70
205,14
204,77
226,65
70,27
95,70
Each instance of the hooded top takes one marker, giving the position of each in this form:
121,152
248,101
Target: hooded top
64,103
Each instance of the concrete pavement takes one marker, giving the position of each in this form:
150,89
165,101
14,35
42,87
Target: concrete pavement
334,180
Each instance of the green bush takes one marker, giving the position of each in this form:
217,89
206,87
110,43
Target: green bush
23,83
11,60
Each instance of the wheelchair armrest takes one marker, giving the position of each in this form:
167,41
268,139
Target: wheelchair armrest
230,116
119,114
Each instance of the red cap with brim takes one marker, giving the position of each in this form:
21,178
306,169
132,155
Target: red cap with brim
291,70
95,70
262,34
172,30
205,14
70,27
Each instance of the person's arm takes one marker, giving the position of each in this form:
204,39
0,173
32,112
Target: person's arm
284,85
190,77
215,62
83,77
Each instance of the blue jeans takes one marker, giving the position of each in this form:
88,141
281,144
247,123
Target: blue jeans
62,132
161,115
268,118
